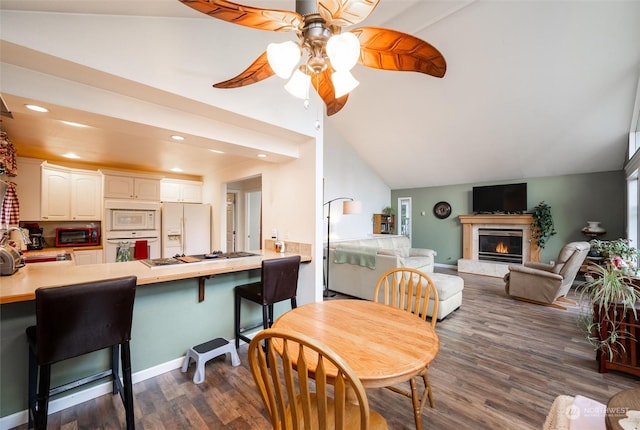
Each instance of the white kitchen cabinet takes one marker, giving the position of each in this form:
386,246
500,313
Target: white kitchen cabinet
86,196
87,257
56,193
70,194
182,191
131,187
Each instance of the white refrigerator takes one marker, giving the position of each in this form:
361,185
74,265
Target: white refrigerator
186,229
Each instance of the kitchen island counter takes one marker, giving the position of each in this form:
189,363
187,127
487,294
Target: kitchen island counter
21,286
171,315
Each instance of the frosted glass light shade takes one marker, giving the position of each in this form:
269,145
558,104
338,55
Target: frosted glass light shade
283,57
343,50
298,85
343,83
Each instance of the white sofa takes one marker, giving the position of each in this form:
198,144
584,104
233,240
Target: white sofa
390,252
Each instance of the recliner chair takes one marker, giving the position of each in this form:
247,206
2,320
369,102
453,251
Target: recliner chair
546,283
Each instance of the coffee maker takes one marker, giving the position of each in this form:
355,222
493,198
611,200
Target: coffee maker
36,237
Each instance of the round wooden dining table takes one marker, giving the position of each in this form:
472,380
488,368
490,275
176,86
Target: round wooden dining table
383,345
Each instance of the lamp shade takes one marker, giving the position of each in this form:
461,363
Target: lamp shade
298,85
343,82
283,57
350,207
343,50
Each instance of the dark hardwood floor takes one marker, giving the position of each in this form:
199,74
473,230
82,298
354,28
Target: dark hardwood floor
501,364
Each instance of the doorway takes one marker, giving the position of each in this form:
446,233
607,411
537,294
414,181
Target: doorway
243,215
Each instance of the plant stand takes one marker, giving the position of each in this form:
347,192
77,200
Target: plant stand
626,355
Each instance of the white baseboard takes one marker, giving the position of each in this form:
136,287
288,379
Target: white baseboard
19,418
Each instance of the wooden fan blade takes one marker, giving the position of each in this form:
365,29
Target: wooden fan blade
254,17
345,12
256,72
381,48
324,86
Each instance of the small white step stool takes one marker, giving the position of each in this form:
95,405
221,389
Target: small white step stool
205,352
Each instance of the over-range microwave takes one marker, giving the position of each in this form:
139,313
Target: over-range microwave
77,236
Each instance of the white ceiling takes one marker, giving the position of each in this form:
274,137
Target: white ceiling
533,88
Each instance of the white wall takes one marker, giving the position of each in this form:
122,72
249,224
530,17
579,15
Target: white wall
290,204
347,175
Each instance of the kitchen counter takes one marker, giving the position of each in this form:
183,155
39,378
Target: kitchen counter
171,315
21,286
60,249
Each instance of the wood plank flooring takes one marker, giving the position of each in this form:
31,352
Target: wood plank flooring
501,364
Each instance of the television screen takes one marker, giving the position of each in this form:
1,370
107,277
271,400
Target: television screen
510,198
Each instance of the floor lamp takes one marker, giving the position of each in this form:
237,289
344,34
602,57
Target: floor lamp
349,206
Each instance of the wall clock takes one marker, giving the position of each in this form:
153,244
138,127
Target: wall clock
442,210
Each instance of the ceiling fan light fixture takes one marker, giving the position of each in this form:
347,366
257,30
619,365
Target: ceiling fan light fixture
283,57
343,82
298,85
343,51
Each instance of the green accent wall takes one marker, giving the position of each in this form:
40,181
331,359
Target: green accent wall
574,200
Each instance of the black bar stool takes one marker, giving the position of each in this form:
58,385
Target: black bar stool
75,320
279,281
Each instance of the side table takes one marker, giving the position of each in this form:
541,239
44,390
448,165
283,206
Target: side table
618,405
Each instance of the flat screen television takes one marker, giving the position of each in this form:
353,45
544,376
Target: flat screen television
509,198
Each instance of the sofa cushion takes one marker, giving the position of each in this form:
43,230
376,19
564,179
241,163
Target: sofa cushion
416,262
398,252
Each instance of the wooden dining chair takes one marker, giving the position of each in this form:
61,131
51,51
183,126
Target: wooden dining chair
299,390
413,291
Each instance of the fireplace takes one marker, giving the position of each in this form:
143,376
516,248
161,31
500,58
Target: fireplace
504,245
490,242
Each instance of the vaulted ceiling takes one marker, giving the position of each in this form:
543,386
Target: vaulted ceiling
533,88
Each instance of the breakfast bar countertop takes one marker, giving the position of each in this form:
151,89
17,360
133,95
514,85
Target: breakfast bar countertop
21,286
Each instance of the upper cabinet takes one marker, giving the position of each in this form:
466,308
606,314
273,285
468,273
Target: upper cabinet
127,186
70,194
178,190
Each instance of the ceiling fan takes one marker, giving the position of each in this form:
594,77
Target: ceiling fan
331,51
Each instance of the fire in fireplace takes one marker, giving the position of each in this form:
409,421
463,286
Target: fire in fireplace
502,245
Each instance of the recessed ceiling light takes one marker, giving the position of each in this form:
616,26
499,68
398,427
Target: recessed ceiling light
176,169
74,124
71,155
262,155
177,137
37,108
216,151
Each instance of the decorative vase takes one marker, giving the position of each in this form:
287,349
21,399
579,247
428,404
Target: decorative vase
593,227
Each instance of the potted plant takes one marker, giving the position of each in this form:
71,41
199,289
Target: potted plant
618,253
542,224
606,298
387,210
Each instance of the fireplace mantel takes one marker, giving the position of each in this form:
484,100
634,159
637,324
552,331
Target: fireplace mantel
470,226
